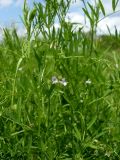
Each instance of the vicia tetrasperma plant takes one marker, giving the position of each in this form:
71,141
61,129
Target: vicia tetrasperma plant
59,88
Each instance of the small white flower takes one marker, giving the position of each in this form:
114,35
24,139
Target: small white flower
63,82
54,80
88,81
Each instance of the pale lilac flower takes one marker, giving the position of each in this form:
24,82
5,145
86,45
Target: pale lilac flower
63,82
54,80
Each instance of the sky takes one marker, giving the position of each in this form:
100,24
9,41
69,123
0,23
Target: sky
11,10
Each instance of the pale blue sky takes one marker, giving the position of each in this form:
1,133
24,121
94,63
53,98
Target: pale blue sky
11,10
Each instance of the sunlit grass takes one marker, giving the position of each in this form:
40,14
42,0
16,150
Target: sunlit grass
59,92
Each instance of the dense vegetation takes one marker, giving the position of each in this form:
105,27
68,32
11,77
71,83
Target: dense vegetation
59,88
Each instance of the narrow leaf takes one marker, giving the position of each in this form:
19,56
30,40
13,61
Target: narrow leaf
18,64
116,32
109,30
114,4
102,7
90,124
77,133
87,14
93,10
32,14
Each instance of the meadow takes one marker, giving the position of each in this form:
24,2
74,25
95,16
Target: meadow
59,88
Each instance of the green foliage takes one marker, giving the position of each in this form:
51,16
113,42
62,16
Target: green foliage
114,4
59,96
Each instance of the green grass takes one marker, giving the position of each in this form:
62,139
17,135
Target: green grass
40,120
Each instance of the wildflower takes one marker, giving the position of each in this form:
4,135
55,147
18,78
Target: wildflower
54,80
88,81
63,82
